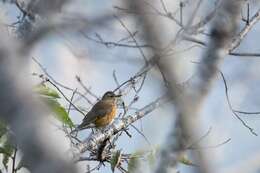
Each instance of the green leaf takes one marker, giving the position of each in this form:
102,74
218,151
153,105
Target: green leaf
46,91
151,158
7,150
134,161
4,151
186,161
3,129
50,96
152,155
59,111
115,160
133,164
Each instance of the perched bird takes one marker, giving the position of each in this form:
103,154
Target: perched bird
102,113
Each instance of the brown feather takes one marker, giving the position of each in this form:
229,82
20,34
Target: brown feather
99,110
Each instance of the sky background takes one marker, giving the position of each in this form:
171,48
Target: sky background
66,55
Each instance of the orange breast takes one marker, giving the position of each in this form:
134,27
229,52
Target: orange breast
105,120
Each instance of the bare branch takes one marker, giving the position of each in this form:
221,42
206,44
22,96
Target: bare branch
233,111
97,138
243,54
237,40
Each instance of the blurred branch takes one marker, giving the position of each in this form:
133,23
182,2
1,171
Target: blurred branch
111,44
195,145
66,23
190,102
196,27
24,11
24,114
20,110
155,12
210,146
236,40
243,54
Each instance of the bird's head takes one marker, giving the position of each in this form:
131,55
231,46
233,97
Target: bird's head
110,96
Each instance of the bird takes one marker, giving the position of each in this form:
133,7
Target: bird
102,113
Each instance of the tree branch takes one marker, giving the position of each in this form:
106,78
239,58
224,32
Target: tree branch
237,40
92,142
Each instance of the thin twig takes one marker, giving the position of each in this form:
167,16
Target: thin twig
210,146
67,99
237,40
110,44
132,36
200,139
243,54
56,82
138,131
86,89
71,100
247,112
231,108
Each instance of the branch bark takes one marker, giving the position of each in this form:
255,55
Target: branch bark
237,40
95,139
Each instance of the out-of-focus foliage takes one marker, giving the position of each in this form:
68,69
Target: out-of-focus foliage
46,91
50,97
115,160
3,129
186,161
7,149
134,161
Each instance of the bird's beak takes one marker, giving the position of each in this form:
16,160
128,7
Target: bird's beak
119,95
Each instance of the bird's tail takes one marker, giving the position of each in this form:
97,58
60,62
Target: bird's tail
80,127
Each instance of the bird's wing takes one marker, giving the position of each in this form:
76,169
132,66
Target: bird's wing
100,109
